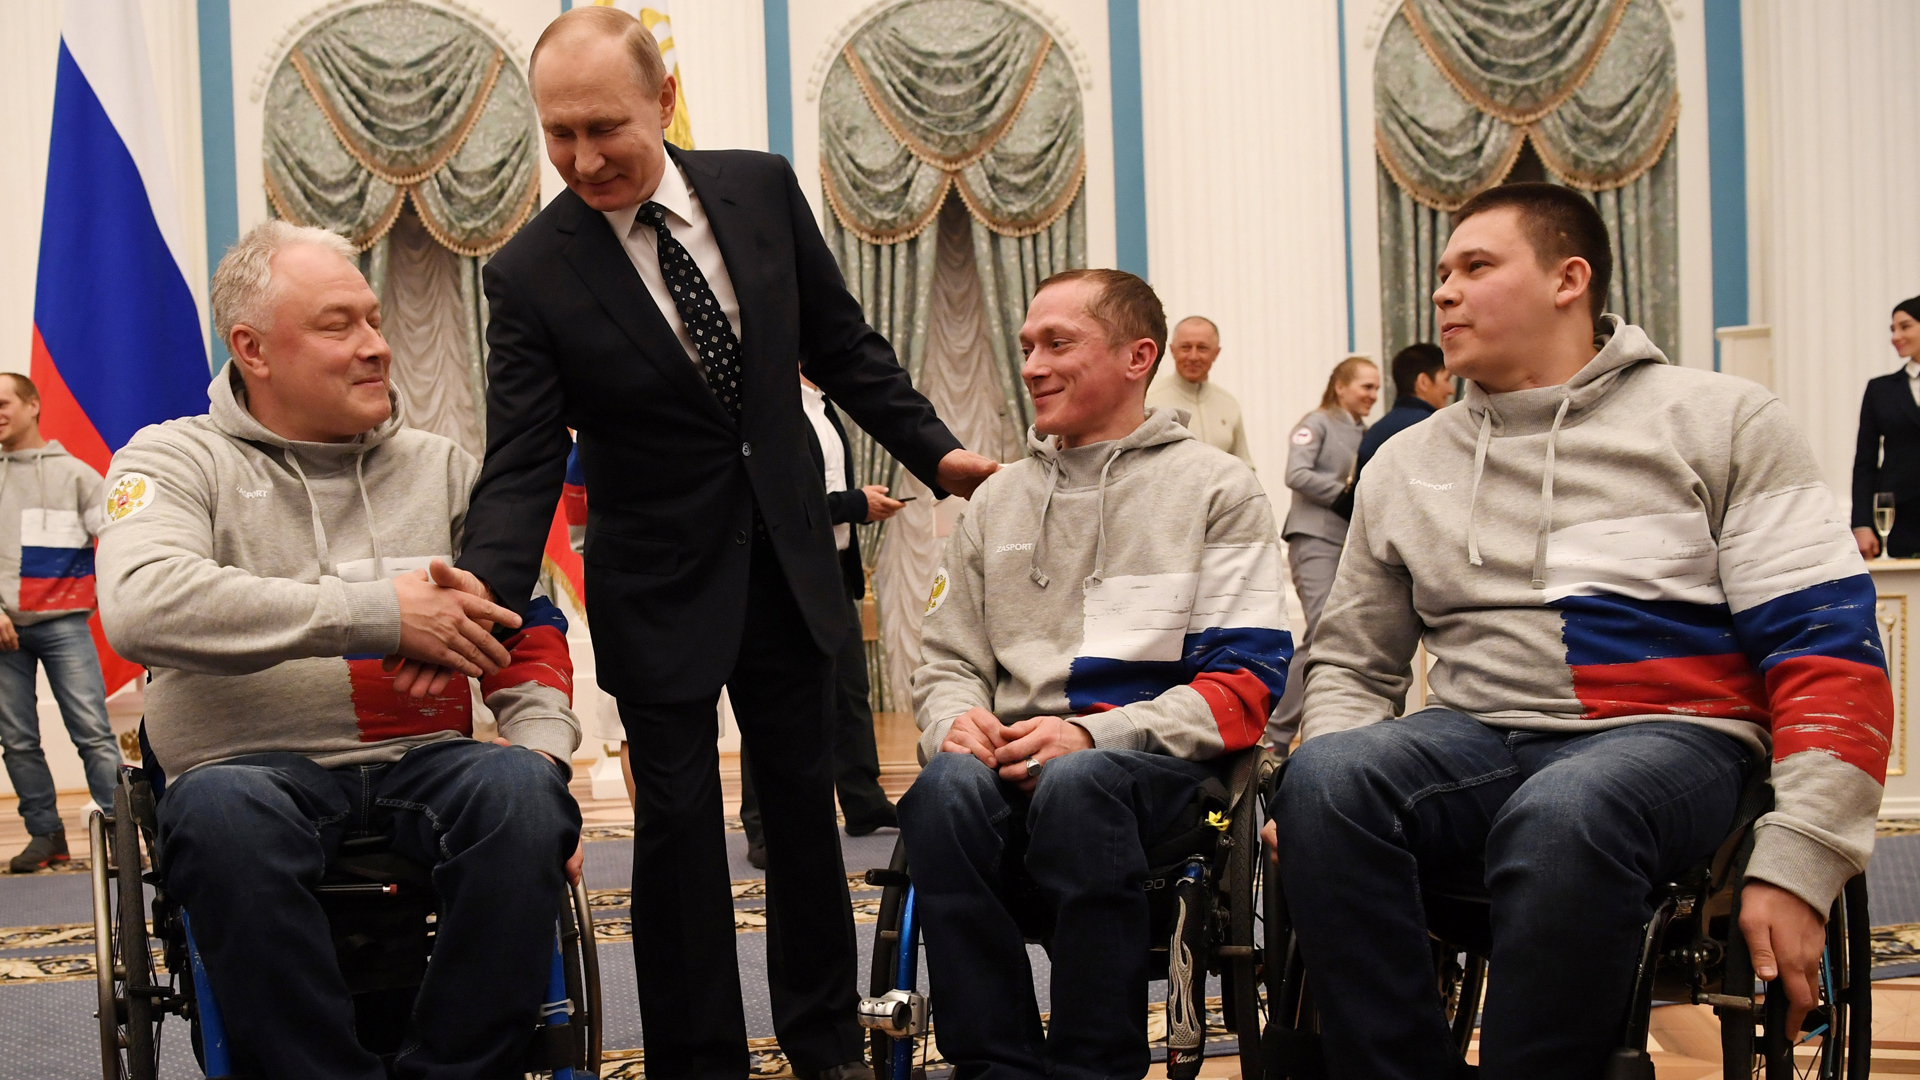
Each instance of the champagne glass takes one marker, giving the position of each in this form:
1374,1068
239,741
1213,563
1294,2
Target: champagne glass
1883,518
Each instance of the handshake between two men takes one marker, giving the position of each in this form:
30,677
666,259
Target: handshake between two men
447,618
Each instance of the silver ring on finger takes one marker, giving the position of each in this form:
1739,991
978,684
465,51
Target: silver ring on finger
1034,766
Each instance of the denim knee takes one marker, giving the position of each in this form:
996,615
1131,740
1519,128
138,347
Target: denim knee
1321,774
950,785
1077,779
519,790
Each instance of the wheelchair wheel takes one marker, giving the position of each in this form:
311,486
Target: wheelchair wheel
1245,904
1835,1041
580,956
883,973
122,956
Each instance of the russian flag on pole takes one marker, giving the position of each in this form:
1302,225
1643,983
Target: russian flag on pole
117,338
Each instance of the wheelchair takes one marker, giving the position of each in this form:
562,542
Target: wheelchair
1208,909
381,909
1691,952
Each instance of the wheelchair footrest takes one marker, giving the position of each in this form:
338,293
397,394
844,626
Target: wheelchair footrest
901,1014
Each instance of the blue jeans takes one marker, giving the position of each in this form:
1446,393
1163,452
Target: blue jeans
1569,834
244,842
65,646
973,840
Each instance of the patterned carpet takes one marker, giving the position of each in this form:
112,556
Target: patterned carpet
47,967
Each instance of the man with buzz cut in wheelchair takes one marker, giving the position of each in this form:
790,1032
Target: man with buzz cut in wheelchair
1108,622
1634,585
271,562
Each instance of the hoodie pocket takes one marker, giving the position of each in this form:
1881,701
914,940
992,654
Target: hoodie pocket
631,554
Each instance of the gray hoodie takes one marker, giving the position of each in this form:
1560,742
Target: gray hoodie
251,574
50,511
1132,585
1645,542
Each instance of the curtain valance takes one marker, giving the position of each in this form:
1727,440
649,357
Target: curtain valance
935,95
1459,84
398,99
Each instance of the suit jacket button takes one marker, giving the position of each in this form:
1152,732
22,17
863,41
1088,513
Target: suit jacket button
740,536
746,449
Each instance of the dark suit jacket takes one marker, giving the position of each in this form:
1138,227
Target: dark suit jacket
574,340
848,507
1889,422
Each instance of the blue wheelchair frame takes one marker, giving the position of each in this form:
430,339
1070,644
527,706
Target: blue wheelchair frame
218,1059
557,1011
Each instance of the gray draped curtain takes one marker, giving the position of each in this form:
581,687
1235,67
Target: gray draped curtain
935,100
1461,87
408,131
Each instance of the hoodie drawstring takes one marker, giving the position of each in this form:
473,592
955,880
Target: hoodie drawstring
1473,499
360,477
313,507
1546,499
1038,575
1100,545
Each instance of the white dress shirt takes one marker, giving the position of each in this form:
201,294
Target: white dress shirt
1913,379
814,403
688,224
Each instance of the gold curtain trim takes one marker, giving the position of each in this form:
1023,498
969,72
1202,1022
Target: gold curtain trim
1593,182
361,242
1435,202
1424,34
904,233
360,155
487,246
926,153
1047,217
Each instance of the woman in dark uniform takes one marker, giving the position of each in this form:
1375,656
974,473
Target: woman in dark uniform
1887,456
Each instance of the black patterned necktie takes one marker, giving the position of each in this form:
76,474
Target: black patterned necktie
700,312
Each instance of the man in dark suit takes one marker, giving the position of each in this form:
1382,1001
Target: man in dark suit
663,307
856,757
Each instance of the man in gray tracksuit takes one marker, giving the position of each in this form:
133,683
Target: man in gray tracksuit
49,515
1109,619
1635,585
270,561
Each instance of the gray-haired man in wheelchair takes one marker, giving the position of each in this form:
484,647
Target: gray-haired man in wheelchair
1108,622
271,562
1633,585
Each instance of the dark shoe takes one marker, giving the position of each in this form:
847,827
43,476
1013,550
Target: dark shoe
852,1070
868,824
757,854
42,852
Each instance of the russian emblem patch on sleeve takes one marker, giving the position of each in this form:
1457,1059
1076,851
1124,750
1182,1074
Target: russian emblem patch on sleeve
132,494
938,595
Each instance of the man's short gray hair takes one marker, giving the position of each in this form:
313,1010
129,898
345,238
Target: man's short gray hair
243,282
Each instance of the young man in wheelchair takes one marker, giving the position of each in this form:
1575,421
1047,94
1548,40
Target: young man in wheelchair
270,562
1634,585
1109,620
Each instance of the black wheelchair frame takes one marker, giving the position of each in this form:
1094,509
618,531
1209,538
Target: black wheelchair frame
381,909
1210,910
1691,952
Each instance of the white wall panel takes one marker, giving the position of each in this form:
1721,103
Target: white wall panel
722,48
1244,217
1835,102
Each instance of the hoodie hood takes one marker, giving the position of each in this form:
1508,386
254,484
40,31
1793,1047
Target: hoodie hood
53,449
227,409
1524,412
1075,468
